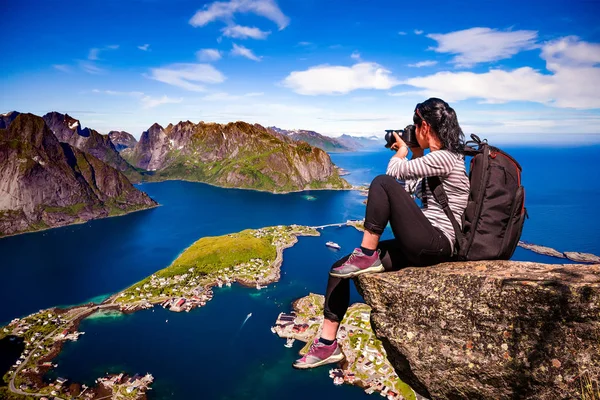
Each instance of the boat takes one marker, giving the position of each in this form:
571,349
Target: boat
249,315
289,342
333,245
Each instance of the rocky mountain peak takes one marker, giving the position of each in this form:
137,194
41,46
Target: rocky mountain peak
68,130
122,140
7,118
155,128
46,183
237,154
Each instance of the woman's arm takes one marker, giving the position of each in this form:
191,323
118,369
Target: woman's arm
436,163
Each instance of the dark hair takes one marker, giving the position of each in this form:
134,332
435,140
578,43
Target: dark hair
443,121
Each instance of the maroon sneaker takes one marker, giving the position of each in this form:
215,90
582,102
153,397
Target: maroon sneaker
320,354
358,263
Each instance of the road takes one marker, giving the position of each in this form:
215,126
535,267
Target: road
11,384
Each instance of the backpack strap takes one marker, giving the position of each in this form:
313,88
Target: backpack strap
435,185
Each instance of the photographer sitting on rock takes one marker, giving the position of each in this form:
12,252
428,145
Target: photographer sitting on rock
422,237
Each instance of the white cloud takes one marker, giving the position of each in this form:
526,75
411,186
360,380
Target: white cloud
418,32
570,50
144,47
151,102
244,32
62,67
225,10
570,83
208,55
304,43
478,45
187,76
428,63
402,33
244,52
146,101
90,67
118,93
355,55
326,79
93,54
222,96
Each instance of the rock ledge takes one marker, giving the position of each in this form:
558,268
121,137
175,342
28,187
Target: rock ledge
489,329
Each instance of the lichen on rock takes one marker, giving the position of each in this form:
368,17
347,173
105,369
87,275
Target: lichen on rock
489,329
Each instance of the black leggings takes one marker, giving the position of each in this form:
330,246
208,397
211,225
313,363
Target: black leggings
416,242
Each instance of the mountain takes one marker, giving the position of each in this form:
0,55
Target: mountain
6,119
122,140
233,155
314,139
68,130
45,183
361,142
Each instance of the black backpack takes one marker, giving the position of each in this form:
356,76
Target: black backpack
493,220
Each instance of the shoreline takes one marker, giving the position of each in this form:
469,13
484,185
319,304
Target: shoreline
365,363
80,222
351,188
31,372
35,376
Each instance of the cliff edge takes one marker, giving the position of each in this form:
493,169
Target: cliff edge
490,329
45,183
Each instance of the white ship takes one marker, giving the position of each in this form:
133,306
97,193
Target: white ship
289,342
333,245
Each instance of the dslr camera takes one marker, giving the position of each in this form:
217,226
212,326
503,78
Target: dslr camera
407,134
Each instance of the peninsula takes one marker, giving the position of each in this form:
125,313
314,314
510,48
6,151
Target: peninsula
365,363
251,257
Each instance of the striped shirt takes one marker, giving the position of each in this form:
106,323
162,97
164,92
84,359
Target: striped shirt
450,167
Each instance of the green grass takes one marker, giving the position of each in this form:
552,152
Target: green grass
72,210
6,394
211,254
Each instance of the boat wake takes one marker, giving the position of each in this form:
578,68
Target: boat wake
246,320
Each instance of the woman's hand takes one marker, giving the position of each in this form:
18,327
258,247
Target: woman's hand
400,147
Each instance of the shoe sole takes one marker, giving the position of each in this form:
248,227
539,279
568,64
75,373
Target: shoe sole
328,360
378,268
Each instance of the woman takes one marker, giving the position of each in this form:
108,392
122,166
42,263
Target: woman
422,237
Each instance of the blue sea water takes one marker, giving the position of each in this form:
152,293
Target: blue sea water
207,353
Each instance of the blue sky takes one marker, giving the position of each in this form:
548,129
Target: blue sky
526,71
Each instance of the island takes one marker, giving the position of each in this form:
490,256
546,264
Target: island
251,258
365,363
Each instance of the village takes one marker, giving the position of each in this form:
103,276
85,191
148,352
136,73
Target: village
366,362
45,332
193,288
43,335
